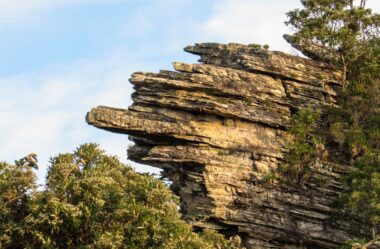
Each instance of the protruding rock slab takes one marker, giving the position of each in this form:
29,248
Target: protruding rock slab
233,134
268,62
218,130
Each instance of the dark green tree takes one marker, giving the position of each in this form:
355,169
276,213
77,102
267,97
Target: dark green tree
346,34
341,29
92,200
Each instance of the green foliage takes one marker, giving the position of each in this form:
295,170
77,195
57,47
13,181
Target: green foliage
353,33
270,177
359,121
258,46
362,244
339,25
92,200
16,182
351,243
306,147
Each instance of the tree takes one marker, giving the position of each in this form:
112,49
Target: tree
341,29
346,34
92,200
16,184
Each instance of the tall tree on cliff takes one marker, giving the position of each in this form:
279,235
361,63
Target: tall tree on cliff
335,31
346,34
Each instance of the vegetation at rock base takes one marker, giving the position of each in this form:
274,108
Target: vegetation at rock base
92,200
349,33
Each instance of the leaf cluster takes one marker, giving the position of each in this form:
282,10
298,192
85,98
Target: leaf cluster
305,148
351,31
356,128
92,200
340,26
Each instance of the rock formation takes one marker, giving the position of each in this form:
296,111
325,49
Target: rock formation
218,130
313,51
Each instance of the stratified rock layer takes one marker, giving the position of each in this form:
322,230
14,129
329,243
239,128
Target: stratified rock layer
218,130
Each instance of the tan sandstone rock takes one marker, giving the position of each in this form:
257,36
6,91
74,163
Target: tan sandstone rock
218,130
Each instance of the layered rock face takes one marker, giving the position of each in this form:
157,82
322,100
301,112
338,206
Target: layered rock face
218,130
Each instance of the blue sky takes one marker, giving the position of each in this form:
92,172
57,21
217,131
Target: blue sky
60,58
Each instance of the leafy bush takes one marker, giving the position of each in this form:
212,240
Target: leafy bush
92,200
305,150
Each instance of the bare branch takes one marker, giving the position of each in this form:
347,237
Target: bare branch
362,4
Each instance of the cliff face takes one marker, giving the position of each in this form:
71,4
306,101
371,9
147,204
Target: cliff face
218,130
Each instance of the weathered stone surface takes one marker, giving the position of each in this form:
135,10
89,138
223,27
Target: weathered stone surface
270,62
312,50
218,131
